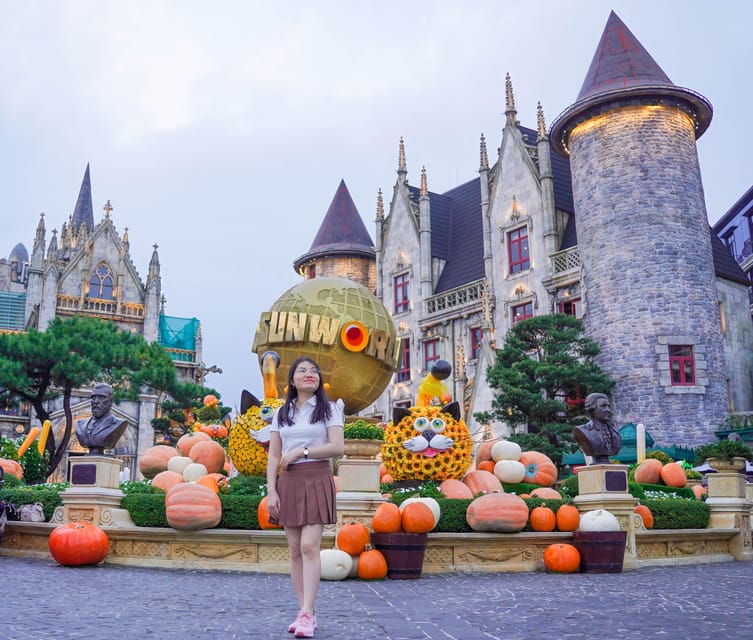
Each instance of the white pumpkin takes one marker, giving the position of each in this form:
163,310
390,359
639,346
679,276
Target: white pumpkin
178,463
598,520
336,564
510,470
506,450
429,502
194,471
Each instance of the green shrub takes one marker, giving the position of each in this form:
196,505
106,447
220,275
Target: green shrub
130,487
569,487
684,492
363,430
239,511
18,495
11,481
248,485
673,513
661,456
724,449
146,509
519,487
452,516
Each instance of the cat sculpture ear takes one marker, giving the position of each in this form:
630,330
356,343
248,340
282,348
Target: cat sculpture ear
248,400
398,413
453,408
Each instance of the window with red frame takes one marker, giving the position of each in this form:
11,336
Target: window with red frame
312,271
575,400
681,365
476,336
522,312
402,293
517,250
571,307
403,373
431,352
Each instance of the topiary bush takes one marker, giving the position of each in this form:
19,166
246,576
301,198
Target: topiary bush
674,513
661,456
248,485
20,494
147,509
239,511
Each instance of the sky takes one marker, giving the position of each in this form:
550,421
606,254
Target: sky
220,130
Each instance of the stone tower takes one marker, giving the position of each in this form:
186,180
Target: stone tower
644,238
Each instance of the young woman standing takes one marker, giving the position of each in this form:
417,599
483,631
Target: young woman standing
307,431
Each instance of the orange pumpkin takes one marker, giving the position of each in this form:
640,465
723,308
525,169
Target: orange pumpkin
699,491
481,481
382,470
210,454
417,517
210,400
486,465
372,564
648,471
485,451
186,442
78,543
353,538
568,517
455,489
387,518
166,480
12,467
387,479
546,493
646,515
262,513
190,507
561,558
543,519
154,459
209,482
673,475
498,512
539,468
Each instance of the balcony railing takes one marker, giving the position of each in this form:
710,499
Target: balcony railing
566,260
99,305
455,298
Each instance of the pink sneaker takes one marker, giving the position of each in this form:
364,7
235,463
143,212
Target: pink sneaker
306,625
294,624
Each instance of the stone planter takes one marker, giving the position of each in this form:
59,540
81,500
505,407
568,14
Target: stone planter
736,465
362,449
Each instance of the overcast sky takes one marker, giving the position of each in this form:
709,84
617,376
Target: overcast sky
221,130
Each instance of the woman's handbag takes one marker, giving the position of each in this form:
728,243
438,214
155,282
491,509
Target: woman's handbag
31,512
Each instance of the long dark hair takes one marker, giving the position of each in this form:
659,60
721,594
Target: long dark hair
322,409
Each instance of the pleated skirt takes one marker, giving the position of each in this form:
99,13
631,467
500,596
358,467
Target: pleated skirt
307,494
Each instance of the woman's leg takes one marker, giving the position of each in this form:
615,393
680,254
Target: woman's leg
293,535
310,546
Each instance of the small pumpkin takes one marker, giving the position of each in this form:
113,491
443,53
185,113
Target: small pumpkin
186,442
178,464
506,450
512,471
155,459
485,451
699,491
486,465
673,475
387,518
645,513
539,468
194,471
262,514
498,512
648,471
480,481
371,564
546,493
166,480
190,507
417,517
543,519
76,544
561,558
335,564
568,517
209,482
210,453
429,502
387,479
353,537
452,488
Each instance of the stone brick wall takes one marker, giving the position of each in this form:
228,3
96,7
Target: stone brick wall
360,270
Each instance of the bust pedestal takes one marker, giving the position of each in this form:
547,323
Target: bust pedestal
94,495
730,509
359,494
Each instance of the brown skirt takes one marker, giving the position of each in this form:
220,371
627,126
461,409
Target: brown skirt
307,494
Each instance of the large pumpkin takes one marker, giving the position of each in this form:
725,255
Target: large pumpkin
673,475
166,480
78,543
512,471
335,564
452,488
498,512
506,450
448,454
539,468
648,471
546,493
190,507
186,442
210,453
561,558
480,481
12,467
155,459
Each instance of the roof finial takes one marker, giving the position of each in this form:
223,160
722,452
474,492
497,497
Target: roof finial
540,121
380,205
510,111
107,209
401,167
125,235
484,155
424,184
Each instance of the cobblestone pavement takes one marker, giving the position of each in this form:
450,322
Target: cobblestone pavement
45,601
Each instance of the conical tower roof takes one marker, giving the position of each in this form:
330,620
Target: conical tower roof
623,72
342,231
84,211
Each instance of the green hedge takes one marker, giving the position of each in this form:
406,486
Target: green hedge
18,495
146,509
674,513
239,511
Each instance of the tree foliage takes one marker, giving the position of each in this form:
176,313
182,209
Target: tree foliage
75,352
543,361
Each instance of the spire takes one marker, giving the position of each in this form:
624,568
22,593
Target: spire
342,231
401,166
380,206
154,264
40,229
83,214
510,111
126,243
424,183
52,249
541,124
484,156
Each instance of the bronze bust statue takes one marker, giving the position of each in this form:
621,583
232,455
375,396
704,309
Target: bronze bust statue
103,430
598,438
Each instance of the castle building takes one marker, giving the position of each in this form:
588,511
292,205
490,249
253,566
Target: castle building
88,271
603,218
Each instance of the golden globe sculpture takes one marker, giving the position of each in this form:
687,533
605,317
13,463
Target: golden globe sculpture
343,327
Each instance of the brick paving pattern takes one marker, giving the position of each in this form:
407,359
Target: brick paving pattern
44,601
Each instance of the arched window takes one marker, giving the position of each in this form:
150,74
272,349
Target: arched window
100,284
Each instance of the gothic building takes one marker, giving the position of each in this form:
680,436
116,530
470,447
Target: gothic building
88,271
601,217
